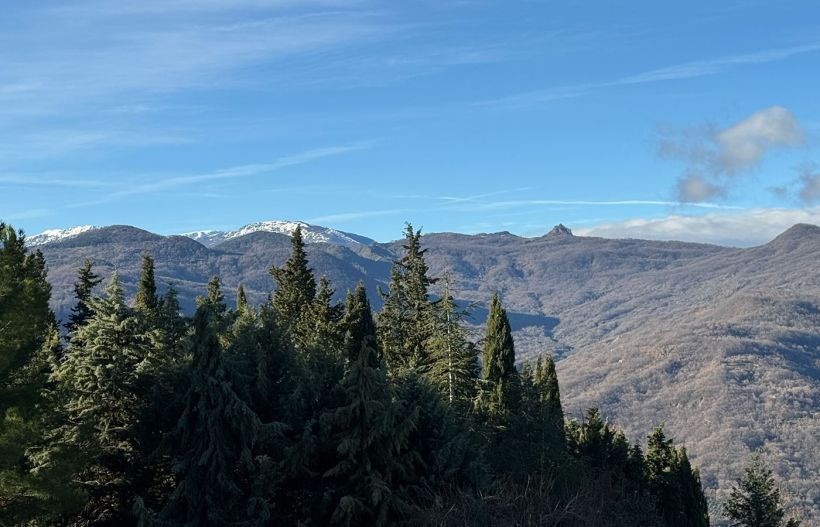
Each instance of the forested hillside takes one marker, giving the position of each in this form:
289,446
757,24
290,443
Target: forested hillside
709,340
301,411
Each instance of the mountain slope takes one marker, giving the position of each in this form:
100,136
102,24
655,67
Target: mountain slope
721,344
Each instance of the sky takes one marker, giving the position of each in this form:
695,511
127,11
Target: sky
694,120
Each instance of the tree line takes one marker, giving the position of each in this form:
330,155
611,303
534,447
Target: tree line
303,411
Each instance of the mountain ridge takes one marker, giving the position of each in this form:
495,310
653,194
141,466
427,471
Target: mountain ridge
720,343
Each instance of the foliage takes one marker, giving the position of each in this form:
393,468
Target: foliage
755,500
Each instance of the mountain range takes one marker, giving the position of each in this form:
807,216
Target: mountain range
719,344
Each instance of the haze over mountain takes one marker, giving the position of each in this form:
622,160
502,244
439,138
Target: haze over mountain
720,344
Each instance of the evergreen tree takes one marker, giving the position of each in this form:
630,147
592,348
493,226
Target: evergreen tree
454,369
499,374
146,298
212,442
359,326
549,393
171,324
370,431
405,323
83,288
295,292
241,299
544,417
676,487
99,383
29,345
755,500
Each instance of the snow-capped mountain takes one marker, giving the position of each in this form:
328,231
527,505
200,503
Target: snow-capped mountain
310,233
57,235
209,238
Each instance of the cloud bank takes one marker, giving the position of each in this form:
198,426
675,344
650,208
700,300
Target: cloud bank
741,229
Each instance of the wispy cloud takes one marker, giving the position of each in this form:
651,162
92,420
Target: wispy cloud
741,229
47,181
358,215
240,171
684,70
27,214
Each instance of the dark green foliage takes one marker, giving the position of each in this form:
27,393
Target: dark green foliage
295,291
98,386
675,486
83,288
29,346
241,299
406,321
370,431
213,439
755,499
146,298
500,378
358,325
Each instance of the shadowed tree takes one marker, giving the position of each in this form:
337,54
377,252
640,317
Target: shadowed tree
755,500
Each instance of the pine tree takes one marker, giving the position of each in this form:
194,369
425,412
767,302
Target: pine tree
146,298
454,369
406,320
499,374
370,431
99,382
83,288
295,292
212,442
755,500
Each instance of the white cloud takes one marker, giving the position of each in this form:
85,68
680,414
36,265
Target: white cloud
715,158
742,229
743,145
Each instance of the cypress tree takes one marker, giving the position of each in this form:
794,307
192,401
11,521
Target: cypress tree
87,280
755,500
99,382
241,299
499,373
546,380
406,320
675,485
212,442
295,291
695,508
146,298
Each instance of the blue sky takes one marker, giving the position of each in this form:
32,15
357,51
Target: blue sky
688,120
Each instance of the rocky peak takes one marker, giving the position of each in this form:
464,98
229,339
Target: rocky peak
560,230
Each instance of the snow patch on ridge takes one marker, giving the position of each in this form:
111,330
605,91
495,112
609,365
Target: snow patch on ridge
310,233
57,235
